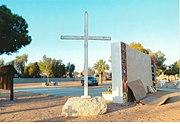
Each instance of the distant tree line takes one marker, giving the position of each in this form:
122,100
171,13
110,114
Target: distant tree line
173,69
55,68
47,67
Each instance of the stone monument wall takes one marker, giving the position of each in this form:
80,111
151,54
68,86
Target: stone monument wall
138,67
128,65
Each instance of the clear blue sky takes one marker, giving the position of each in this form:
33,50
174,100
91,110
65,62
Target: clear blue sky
153,23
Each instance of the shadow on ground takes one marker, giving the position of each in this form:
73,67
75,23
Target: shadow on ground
29,109
112,107
25,97
57,119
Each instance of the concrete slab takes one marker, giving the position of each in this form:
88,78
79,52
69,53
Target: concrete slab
153,100
138,89
160,98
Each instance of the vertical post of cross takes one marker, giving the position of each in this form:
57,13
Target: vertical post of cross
85,55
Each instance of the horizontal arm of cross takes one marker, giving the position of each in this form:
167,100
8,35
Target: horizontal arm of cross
67,37
99,38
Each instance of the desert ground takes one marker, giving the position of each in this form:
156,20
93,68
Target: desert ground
33,107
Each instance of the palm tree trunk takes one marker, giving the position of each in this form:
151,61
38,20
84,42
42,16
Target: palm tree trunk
100,78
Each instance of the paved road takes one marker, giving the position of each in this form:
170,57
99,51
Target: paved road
69,91
169,89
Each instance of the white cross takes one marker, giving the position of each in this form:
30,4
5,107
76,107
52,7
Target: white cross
85,38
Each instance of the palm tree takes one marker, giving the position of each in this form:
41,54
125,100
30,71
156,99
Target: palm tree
100,67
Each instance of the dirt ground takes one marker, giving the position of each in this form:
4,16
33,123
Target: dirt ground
31,107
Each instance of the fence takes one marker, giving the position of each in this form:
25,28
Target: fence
32,80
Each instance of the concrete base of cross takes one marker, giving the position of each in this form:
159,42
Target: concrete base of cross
85,97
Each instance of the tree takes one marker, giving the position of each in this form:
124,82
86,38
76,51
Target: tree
19,63
52,67
55,67
173,68
46,66
76,74
13,31
62,70
138,46
58,68
32,70
160,58
70,69
100,67
26,72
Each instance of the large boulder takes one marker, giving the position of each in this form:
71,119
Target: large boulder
77,106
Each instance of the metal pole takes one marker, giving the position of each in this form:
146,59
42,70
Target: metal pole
86,55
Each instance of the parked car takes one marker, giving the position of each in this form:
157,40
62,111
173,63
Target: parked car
91,81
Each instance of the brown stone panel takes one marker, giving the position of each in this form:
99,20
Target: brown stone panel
1,82
124,72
